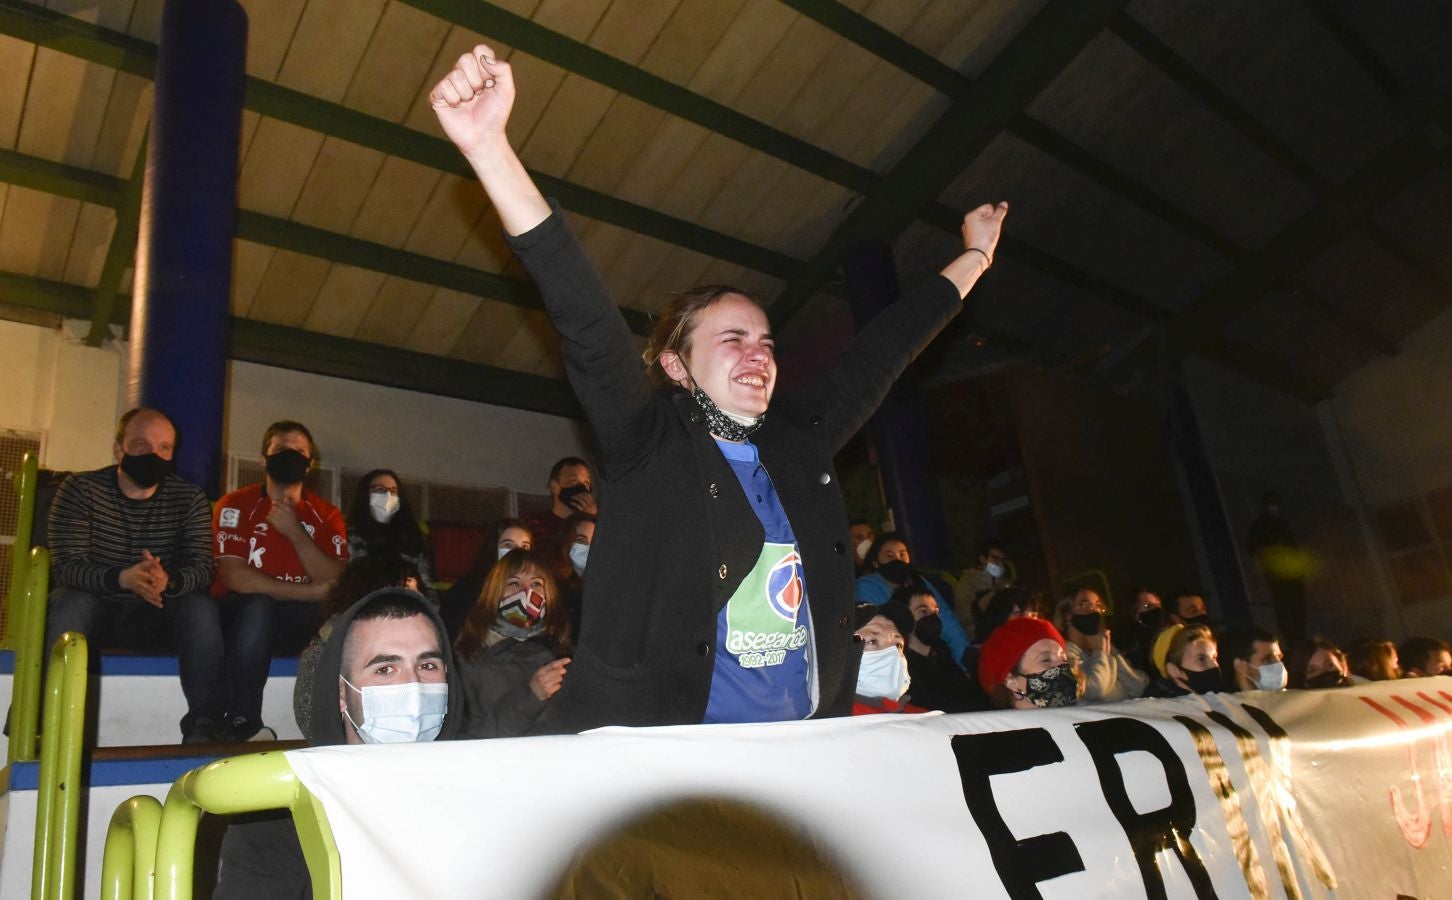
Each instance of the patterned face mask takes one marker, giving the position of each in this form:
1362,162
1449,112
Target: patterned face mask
521,615
1052,687
723,424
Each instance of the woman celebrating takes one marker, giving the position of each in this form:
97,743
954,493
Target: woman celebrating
381,523
512,654
720,588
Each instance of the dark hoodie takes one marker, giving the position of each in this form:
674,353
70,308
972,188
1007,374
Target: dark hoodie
261,856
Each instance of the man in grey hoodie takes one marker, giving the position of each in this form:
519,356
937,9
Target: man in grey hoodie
386,669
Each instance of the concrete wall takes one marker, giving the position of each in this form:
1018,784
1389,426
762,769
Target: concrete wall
56,385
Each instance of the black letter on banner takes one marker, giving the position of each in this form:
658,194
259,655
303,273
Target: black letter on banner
1224,789
1021,864
1148,833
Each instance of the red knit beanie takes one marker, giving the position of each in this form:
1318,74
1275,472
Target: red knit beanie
1007,645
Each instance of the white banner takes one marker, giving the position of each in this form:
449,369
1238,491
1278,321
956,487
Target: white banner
1342,793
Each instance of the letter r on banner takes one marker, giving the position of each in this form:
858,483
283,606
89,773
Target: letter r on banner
1021,864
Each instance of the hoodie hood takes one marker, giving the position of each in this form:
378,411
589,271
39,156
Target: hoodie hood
327,723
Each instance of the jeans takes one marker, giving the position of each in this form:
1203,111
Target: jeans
208,635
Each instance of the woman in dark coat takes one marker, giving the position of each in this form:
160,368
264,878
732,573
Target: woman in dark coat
720,587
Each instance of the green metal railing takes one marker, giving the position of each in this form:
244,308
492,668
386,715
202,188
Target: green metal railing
25,485
58,800
27,629
250,783
128,870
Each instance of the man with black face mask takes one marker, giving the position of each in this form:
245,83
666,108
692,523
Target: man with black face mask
131,561
1108,676
279,548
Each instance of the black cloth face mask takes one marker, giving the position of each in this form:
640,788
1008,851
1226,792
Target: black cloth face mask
895,571
929,629
1087,623
1152,619
722,425
287,466
1206,682
145,469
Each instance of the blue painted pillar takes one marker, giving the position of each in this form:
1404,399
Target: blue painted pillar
181,298
899,430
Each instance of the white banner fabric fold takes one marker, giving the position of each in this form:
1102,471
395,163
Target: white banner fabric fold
1304,794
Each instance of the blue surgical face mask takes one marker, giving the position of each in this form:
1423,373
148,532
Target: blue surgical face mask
579,555
400,713
995,570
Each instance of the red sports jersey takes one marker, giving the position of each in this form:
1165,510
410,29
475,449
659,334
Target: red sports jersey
240,529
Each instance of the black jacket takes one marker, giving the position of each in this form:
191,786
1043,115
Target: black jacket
260,855
676,533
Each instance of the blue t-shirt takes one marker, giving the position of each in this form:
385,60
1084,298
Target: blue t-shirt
763,633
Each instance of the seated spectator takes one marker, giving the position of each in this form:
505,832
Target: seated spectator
363,576
1189,609
279,545
890,564
509,534
513,650
1423,656
975,585
882,677
1023,665
1319,664
1009,603
576,536
131,561
569,485
1373,660
381,522
1188,661
388,647
863,534
1108,676
937,683
1250,660
1146,619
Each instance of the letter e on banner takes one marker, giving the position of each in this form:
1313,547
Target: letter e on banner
1021,864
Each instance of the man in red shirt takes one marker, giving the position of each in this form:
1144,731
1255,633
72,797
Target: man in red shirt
279,548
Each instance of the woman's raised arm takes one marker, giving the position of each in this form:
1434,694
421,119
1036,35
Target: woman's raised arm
473,102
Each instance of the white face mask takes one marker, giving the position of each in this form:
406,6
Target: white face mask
383,505
1272,677
994,569
400,713
862,548
579,555
883,674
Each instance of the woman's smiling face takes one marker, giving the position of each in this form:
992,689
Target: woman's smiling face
732,356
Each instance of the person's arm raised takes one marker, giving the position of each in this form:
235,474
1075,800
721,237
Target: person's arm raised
473,102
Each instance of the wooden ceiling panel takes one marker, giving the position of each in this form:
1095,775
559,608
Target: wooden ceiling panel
557,140
572,18
16,57
906,121
1063,321
985,31
749,41
1417,217
1279,64
65,108
628,29
1358,275
1112,102
658,165
328,45
287,291
799,215
392,72
89,243
485,248
112,14
128,116
703,178
1409,39
688,38
418,115
749,185
279,159
270,26
1285,328
763,287
680,270
623,132
35,233
249,266
602,242
250,121
769,95
898,15
831,88
340,181
492,326
537,81
534,348
442,321
344,300
448,218
631,273
146,20
868,123
394,202
396,307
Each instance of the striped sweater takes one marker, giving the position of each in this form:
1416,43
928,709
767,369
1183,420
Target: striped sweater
96,532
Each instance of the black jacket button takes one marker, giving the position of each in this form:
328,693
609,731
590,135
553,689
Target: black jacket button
825,478
704,648
814,421
697,417
842,622
838,548
722,571
715,491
